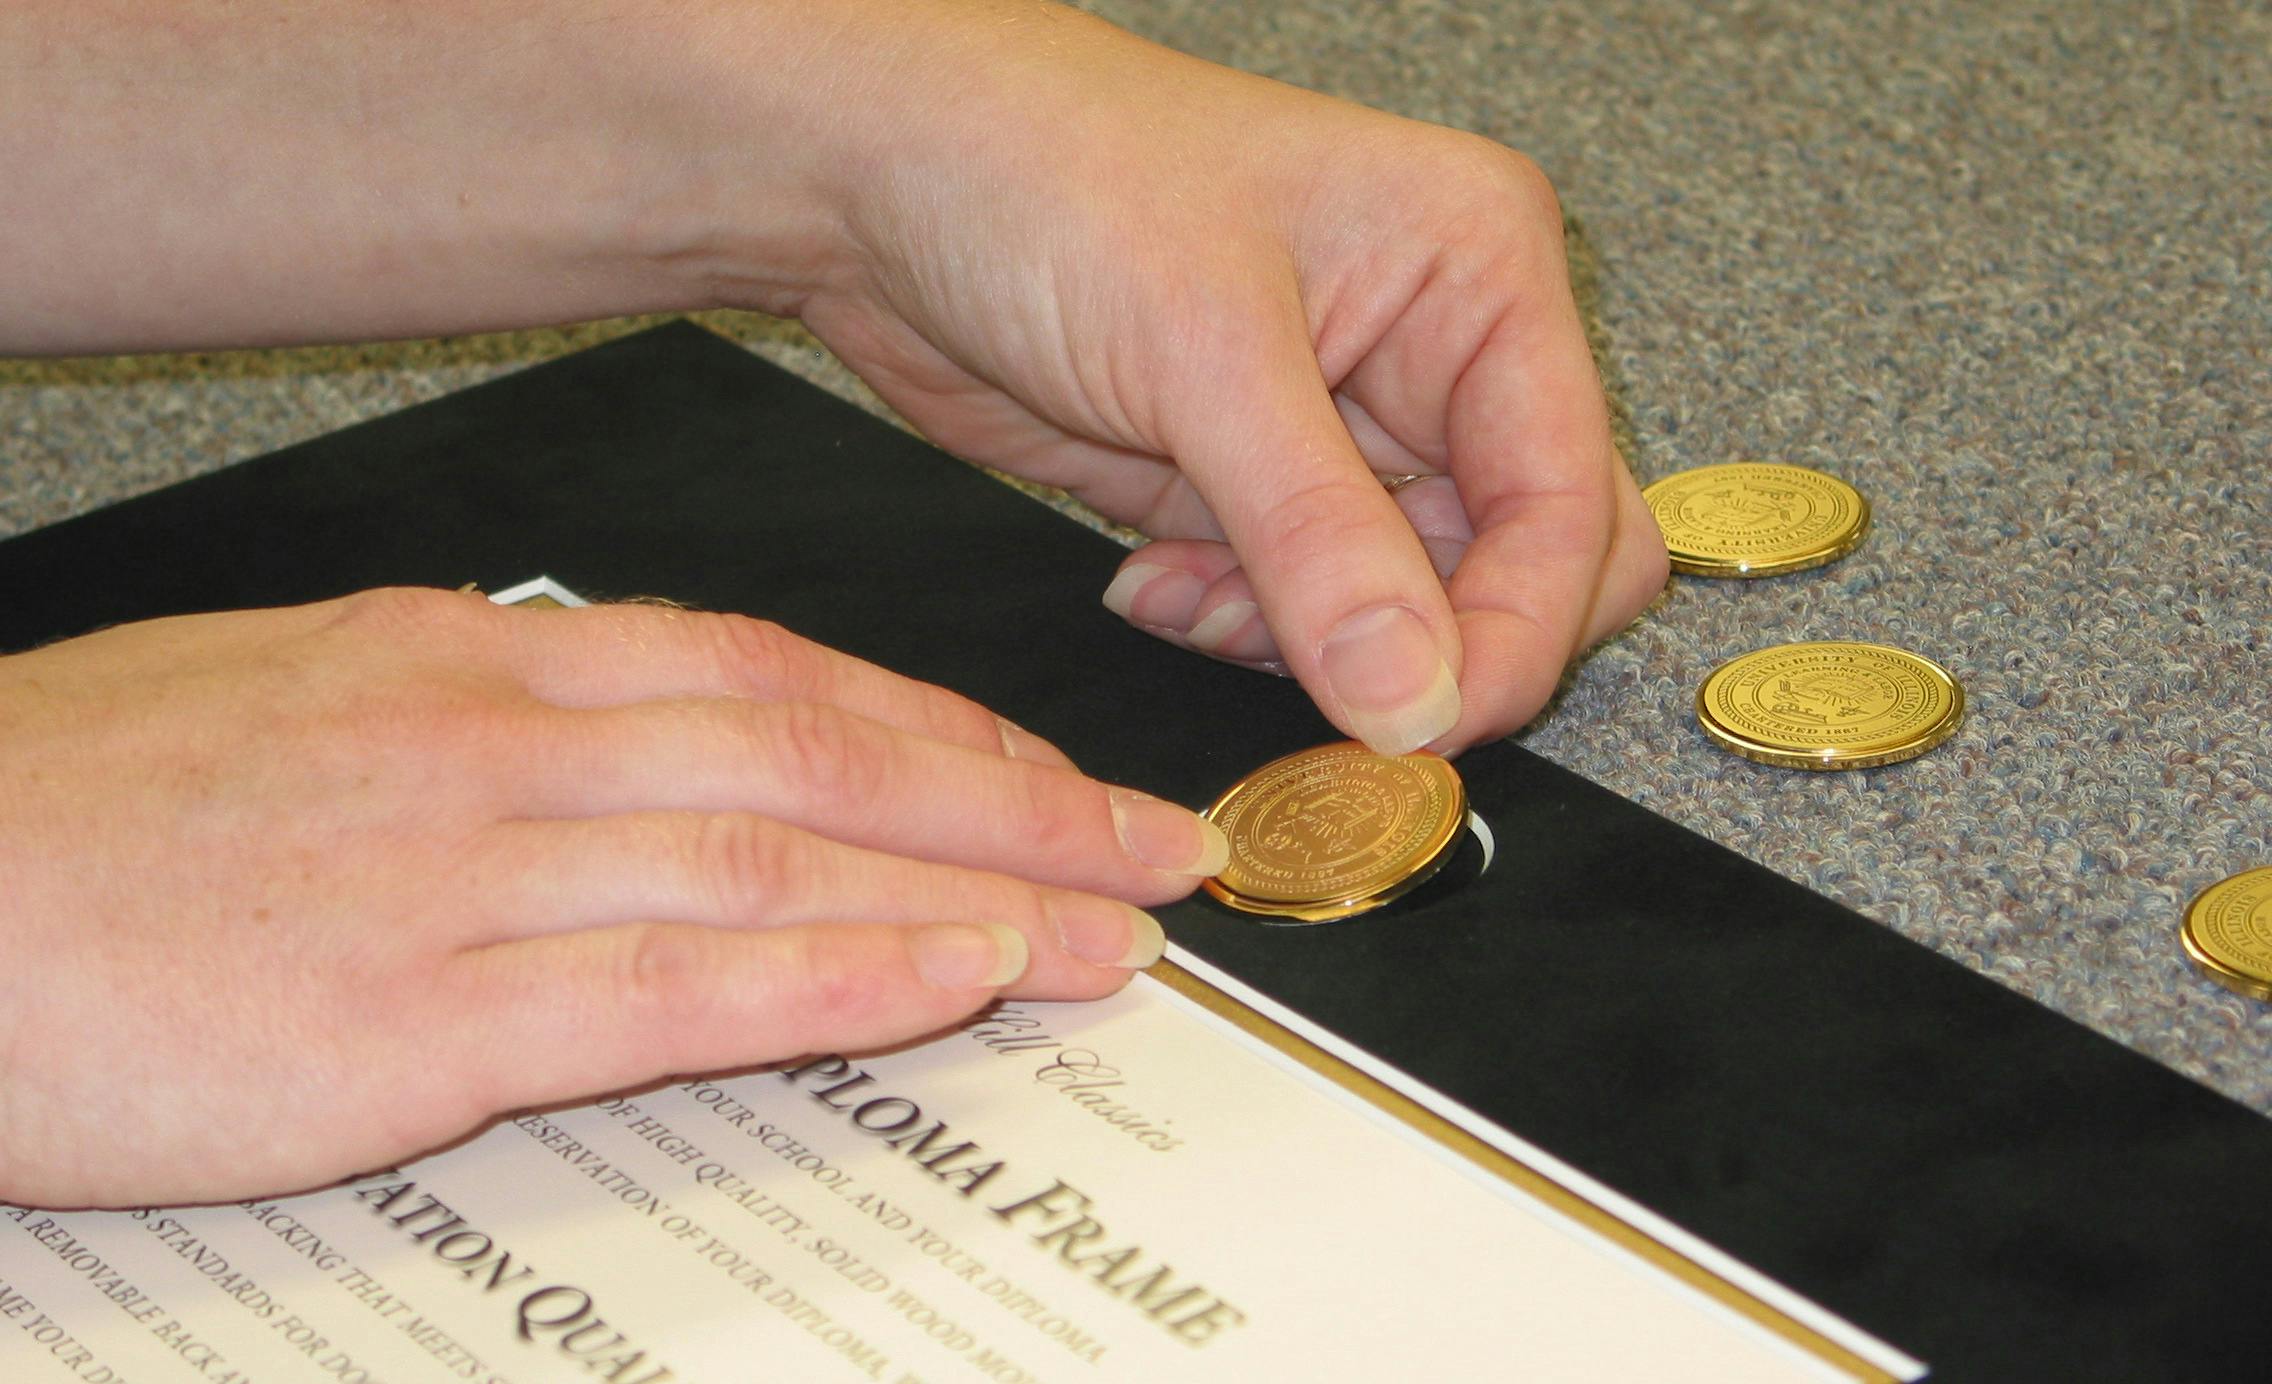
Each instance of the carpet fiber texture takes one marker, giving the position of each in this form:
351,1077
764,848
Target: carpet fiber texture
2007,267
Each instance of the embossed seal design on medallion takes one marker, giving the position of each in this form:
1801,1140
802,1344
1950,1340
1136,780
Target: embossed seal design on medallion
1756,518
1335,830
1830,705
2228,932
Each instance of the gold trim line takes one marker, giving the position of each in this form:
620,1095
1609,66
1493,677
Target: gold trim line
1539,1187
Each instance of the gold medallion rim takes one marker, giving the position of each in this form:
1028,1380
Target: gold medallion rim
1697,563
1790,754
1422,862
2234,975
1332,910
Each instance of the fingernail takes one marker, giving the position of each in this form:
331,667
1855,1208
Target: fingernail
968,956
1167,837
1020,743
1221,623
1167,596
1104,933
1393,685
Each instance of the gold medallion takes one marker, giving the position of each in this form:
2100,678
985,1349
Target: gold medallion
2228,933
1756,519
1830,706
1335,831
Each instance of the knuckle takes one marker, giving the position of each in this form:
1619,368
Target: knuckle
1050,822
1656,567
404,611
749,865
1527,184
766,657
1651,564
1508,176
660,983
1322,520
1506,201
1649,568
828,752
959,720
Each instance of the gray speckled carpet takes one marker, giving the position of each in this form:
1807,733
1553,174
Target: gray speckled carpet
2005,266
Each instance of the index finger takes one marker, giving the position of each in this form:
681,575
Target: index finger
618,653
1358,610
1537,471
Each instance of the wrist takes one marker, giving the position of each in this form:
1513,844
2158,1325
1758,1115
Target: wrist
867,128
757,119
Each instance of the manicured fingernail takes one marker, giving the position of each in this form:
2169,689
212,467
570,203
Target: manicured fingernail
1394,686
1020,743
1104,933
1167,837
1146,595
1120,597
968,956
1221,623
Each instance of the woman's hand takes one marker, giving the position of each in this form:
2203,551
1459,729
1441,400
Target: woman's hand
1214,306
296,893
1221,310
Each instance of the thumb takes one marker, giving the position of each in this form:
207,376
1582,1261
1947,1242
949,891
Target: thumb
1342,580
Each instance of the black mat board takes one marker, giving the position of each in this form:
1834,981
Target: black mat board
1981,1182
